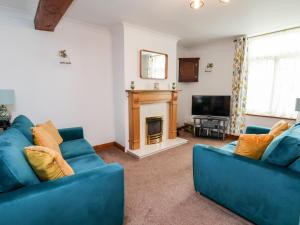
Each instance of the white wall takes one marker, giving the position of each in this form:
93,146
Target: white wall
119,83
80,94
138,38
135,39
217,82
128,40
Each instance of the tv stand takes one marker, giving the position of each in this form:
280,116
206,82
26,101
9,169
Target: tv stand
210,126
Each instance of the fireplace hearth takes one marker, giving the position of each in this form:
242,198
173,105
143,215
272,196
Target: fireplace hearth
154,130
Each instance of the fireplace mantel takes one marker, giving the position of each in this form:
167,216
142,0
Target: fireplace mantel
138,97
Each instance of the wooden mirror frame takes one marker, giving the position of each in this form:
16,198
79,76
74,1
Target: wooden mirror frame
166,65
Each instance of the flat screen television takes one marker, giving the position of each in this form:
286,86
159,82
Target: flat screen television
211,105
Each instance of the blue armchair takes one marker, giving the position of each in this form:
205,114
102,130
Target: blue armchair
263,193
93,196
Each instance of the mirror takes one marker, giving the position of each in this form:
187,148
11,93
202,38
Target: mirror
153,65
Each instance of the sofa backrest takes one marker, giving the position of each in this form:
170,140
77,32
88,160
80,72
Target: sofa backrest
15,172
23,124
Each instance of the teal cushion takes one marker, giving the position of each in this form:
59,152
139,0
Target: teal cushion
284,149
15,172
23,124
230,147
86,162
295,165
74,148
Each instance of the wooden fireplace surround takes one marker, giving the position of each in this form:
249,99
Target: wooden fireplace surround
138,97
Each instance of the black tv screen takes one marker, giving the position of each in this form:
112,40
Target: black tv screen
211,105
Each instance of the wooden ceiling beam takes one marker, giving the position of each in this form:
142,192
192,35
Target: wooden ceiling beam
49,13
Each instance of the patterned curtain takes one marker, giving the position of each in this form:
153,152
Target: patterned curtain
239,87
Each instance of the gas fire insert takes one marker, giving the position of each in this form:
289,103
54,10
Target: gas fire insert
154,130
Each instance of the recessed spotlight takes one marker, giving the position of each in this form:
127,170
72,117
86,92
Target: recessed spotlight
196,4
224,1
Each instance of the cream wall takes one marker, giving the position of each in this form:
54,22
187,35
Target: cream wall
80,94
218,82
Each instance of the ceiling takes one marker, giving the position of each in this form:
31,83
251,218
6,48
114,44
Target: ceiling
212,22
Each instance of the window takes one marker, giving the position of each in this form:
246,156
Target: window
274,74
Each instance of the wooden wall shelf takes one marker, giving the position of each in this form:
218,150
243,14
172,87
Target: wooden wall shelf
138,97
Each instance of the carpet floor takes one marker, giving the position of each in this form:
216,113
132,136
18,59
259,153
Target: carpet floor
159,189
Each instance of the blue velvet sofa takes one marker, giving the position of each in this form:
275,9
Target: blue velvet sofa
93,196
266,191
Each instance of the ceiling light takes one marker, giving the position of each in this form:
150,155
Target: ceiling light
224,1
196,4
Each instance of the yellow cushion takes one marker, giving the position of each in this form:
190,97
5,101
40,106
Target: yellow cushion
279,128
47,163
253,145
51,129
42,138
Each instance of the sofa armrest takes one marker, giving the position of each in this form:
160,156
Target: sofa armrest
69,134
94,197
261,192
257,130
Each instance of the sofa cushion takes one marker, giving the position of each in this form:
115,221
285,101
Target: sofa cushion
279,127
230,147
47,163
15,171
295,165
253,145
23,124
42,138
284,149
85,162
52,130
74,148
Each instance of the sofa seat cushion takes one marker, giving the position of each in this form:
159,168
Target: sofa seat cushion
85,162
15,172
23,124
74,148
284,149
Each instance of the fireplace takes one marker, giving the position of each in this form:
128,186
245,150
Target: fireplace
154,130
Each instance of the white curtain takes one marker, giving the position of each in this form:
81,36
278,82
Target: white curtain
274,74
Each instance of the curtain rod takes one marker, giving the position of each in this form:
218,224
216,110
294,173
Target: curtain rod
274,32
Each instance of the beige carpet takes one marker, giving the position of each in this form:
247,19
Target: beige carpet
159,189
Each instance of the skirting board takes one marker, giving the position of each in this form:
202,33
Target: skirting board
99,148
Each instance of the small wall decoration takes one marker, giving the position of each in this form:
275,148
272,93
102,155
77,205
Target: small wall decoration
64,58
156,86
173,85
132,85
209,67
